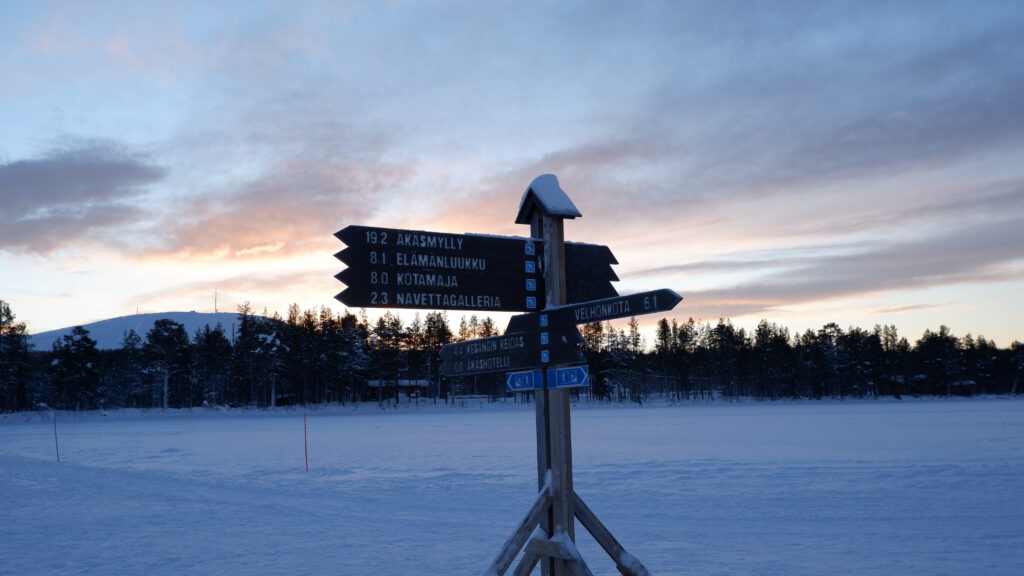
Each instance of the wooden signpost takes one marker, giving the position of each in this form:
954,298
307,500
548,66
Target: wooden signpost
559,285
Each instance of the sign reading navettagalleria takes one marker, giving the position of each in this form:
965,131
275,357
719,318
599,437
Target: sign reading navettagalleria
395,268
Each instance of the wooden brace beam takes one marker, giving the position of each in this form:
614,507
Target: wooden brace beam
625,562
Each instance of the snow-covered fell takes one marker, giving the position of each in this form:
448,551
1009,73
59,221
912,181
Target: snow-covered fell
109,333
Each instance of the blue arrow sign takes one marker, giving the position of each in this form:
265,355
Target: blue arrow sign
527,380
569,377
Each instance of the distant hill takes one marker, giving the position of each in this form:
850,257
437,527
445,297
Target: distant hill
109,334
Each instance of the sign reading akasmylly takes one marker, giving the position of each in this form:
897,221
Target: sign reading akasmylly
393,268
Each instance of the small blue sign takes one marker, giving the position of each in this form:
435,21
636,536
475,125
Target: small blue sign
569,377
527,380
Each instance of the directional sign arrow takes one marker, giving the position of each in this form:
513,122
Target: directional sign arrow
495,354
506,301
527,380
593,259
394,268
513,351
422,241
417,278
484,257
589,270
569,377
649,302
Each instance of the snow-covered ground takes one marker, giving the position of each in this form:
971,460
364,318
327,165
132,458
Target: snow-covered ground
912,487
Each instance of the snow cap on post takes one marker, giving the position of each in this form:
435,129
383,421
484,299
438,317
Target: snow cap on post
546,195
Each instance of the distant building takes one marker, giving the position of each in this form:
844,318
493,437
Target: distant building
381,389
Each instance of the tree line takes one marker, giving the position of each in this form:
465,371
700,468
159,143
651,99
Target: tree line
319,356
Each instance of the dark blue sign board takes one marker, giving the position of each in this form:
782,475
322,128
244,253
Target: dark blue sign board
525,380
569,377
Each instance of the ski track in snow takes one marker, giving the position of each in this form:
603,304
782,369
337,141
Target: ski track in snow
918,487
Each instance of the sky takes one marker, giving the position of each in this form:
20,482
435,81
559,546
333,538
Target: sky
800,162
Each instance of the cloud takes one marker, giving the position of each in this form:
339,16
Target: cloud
261,287
79,190
877,106
907,309
762,107
822,122
275,176
600,176
296,206
979,253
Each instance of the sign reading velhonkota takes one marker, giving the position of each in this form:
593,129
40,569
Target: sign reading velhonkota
660,300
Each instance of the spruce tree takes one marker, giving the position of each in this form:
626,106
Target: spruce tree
15,363
74,363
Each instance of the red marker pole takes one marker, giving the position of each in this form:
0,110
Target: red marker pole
305,438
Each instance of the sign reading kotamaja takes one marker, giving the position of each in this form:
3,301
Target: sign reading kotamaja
394,268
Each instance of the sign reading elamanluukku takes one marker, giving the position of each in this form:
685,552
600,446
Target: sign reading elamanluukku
395,268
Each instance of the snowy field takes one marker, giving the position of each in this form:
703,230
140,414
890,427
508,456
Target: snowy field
885,487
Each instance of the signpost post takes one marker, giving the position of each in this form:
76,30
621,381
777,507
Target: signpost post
558,285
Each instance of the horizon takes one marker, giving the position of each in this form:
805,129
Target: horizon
850,164
648,334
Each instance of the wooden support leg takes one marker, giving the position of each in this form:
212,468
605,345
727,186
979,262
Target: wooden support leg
626,563
522,533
